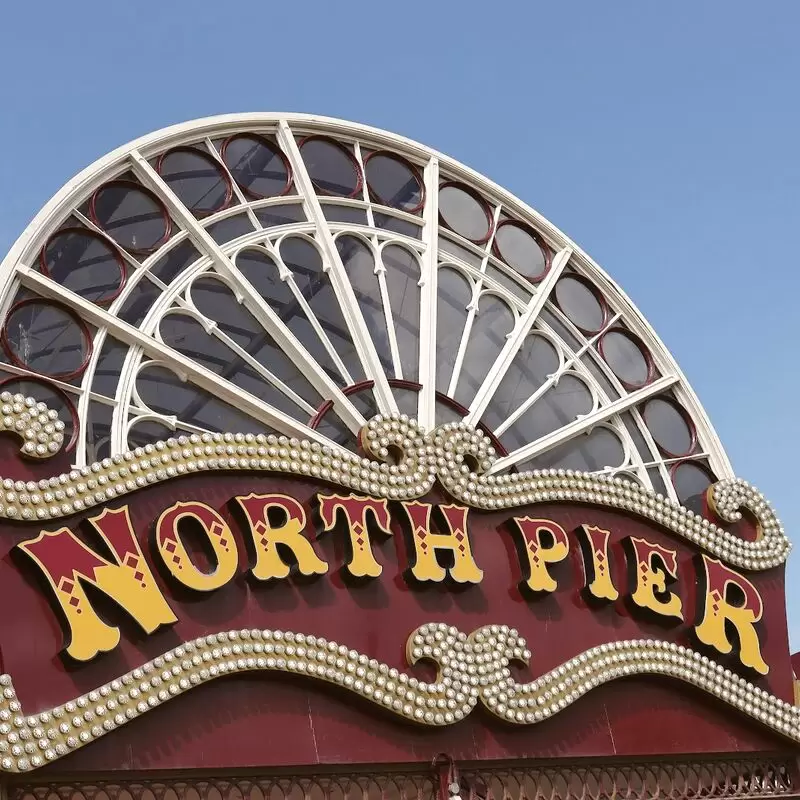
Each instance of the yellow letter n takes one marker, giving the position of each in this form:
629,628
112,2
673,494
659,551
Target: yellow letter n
68,564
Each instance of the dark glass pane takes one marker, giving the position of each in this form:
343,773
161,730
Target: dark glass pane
337,213
447,246
407,400
668,426
446,413
175,261
226,230
256,165
580,304
626,357
654,473
98,431
260,269
148,431
639,443
85,264
393,182
518,247
691,479
560,329
557,407
331,168
46,339
163,391
216,301
402,282
589,360
463,213
401,226
359,265
588,453
196,179
305,263
514,285
491,325
454,295
131,216
139,301
333,427
536,360
272,216
109,366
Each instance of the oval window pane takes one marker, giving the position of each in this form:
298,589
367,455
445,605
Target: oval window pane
626,356
690,480
580,304
669,426
47,339
132,216
393,182
196,179
84,263
464,213
520,249
257,165
331,167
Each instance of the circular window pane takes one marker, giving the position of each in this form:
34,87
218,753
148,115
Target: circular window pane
669,426
197,181
47,339
690,480
133,217
521,250
52,397
84,263
626,357
256,165
394,182
580,304
331,167
464,213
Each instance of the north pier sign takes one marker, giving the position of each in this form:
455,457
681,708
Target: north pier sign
202,557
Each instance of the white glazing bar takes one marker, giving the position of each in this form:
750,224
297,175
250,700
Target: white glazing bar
237,192
380,274
426,409
194,372
583,424
472,310
271,322
359,332
512,346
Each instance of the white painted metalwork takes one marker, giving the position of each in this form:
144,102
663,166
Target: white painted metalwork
330,378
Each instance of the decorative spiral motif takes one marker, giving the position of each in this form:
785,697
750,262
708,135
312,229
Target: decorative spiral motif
459,456
470,669
39,427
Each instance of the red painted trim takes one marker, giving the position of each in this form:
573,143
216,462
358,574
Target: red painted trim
484,205
651,367
548,256
144,190
69,312
73,412
351,158
375,197
109,243
270,146
208,159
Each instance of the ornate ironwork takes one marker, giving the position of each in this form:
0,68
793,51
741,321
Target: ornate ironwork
663,780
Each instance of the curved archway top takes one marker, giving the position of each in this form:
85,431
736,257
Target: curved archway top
299,274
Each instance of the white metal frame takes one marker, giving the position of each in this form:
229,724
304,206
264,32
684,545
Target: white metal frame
527,302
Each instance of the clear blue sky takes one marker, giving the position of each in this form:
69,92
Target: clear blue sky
662,137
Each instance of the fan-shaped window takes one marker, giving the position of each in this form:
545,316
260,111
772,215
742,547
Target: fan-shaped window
303,288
